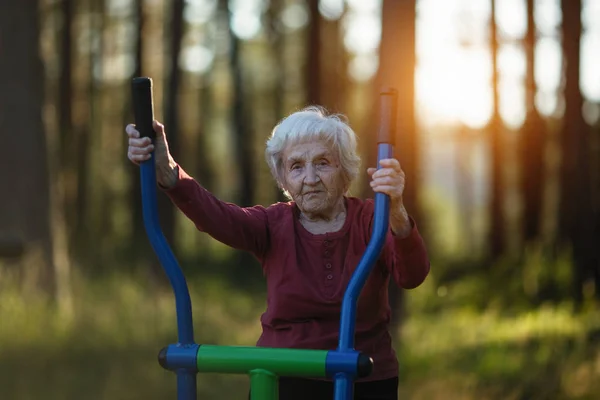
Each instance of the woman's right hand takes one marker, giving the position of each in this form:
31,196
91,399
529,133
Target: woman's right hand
141,148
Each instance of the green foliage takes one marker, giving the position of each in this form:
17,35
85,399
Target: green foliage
107,348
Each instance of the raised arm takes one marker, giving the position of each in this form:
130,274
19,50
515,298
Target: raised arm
241,228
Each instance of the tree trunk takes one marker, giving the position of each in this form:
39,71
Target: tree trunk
67,143
576,222
89,226
242,126
242,143
327,77
397,61
137,221
82,151
573,120
203,169
313,52
596,201
496,142
532,141
24,211
277,42
63,156
171,106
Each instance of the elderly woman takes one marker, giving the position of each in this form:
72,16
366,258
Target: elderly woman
309,247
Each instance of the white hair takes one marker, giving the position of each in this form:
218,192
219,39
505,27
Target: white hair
313,124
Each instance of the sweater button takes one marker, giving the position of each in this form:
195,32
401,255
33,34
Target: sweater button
328,266
330,277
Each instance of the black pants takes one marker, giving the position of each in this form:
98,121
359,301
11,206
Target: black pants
310,389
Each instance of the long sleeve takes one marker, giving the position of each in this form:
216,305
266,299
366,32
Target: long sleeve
243,228
407,258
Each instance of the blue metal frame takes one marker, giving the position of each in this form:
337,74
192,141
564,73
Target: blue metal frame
186,376
341,363
344,383
181,357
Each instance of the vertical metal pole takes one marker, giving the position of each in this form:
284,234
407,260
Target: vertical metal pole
264,385
344,383
143,106
186,384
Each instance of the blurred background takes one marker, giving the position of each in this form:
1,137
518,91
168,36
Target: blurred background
498,133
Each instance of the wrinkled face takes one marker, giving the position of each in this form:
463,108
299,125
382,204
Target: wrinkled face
313,177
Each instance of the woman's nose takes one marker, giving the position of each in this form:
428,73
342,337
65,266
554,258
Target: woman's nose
312,176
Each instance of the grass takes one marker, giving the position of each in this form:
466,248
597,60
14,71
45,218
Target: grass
107,348
542,354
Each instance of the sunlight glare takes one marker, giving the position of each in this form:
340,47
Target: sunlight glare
452,83
197,59
546,102
547,16
294,16
548,68
363,67
331,9
512,102
511,16
363,32
199,11
511,61
365,6
590,14
245,26
590,64
246,23
434,30
474,16
119,8
458,92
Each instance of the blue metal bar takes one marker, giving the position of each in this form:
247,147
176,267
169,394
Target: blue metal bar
343,387
344,384
183,304
143,107
359,278
186,384
341,362
186,377
178,356
344,381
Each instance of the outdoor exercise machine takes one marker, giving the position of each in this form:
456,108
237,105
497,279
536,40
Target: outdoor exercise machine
263,365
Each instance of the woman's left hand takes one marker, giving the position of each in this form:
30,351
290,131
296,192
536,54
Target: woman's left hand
389,179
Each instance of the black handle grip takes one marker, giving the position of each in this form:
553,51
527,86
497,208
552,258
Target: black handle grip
387,116
143,106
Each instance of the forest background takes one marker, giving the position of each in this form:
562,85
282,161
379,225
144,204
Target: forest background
498,133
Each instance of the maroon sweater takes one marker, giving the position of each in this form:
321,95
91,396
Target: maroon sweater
307,274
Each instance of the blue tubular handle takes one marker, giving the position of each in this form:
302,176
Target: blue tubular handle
344,385
144,117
